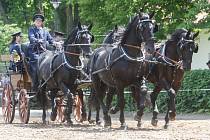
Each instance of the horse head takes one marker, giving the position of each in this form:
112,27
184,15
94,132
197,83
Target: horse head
186,47
140,30
145,29
80,39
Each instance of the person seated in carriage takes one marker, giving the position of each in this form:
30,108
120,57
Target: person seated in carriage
59,40
40,40
15,52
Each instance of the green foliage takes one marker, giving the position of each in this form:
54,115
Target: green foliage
169,14
5,36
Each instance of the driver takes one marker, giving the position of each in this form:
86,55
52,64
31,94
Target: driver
40,39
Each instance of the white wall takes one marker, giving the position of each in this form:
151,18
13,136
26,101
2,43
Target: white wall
199,59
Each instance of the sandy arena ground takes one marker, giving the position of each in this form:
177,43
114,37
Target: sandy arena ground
187,126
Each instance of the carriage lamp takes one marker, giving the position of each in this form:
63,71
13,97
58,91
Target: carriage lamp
55,3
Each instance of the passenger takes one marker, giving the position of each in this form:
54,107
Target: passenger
15,50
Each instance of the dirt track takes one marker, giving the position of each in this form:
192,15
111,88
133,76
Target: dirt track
188,126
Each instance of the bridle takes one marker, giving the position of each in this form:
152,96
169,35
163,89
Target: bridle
140,29
75,44
181,44
179,48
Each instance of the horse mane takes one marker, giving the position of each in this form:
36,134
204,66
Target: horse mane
72,36
176,36
109,34
129,26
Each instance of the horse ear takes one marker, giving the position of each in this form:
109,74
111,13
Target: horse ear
196,34
92,38
116,27
140,14
79,25
188,33
90,26
196,48
156,28
151,15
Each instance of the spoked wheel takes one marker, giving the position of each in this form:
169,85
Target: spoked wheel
8,103
60,110
24,107
78,109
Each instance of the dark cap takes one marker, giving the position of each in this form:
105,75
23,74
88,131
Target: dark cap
59,33
38,16
17,34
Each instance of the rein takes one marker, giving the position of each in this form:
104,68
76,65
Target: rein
133,46
163,56
76,54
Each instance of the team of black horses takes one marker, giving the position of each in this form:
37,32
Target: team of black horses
128,59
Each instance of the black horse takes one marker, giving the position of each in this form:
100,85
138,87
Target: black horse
59,71
112,37
175,57
122,65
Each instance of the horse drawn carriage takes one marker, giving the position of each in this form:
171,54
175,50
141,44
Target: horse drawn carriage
16,90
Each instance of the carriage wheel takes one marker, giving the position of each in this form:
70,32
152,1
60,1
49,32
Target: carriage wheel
60,110
78,109
24,107
8,103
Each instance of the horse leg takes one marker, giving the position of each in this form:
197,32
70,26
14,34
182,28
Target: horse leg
110,94
153,97
97,115
54,106
44,106
171,106
142,92
69,96
90,104
83,109
42,98
167,117
121,101
100,89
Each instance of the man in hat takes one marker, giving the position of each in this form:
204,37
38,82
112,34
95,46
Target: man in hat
58,36
15,50
59,40
39,39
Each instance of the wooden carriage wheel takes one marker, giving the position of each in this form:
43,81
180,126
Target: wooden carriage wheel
60,110
24,107
77,109
8,103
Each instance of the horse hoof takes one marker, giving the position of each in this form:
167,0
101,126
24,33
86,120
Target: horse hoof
107,121
98,122
137,118
165,126
114,110
124,126
139,124
91,121
172,116
53,116
107,124
69,123
154,122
